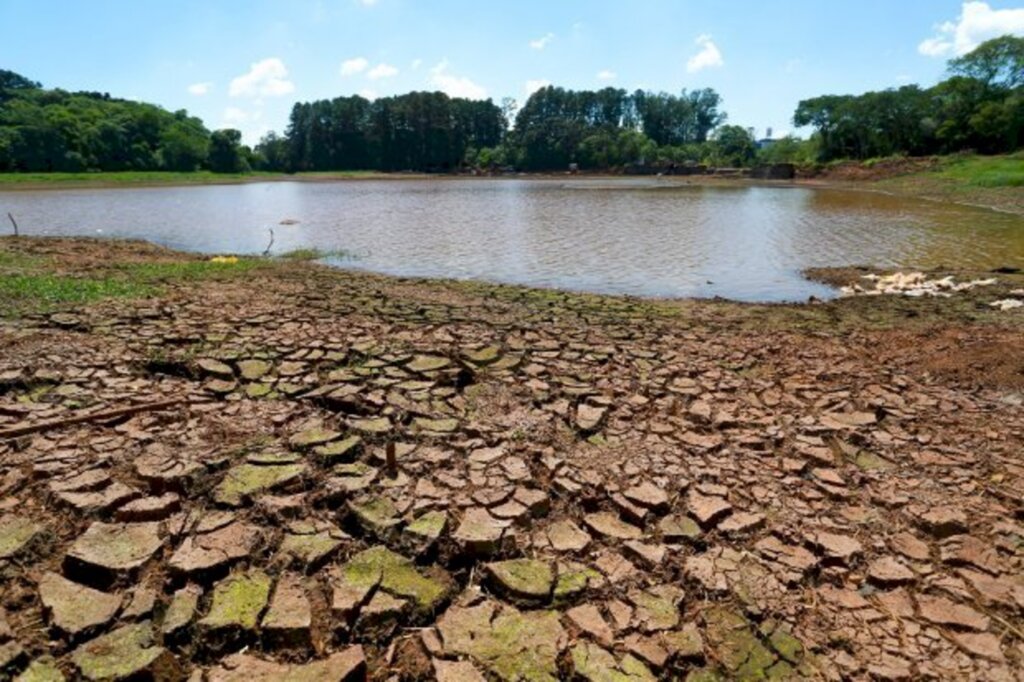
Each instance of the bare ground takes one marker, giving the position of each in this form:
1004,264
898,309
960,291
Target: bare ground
542,485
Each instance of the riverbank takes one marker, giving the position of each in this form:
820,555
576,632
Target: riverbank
995,182
339,469
37,181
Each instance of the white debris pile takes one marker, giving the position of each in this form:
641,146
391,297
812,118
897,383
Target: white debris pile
912,284
1007,304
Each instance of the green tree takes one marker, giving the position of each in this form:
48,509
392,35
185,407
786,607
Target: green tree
998,62
226,154
732,146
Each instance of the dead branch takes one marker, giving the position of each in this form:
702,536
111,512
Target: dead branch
50,424
266,252
13,222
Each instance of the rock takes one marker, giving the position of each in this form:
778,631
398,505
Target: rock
150,508
312,437
339,451
611,526
837,547
424,531
398,575
589,417
42,669
456,671
376,515
943,522
181,611
888,572
288,621
588,618
99,501
244,481
678,527
126,653
312,550
647,495
107,550
593,663
685,643
238,601
942,611
911,547
524,579
423,364
657,608
650,556
982,644
19,536
510,645
215,550
347,665
741,522
215,368
75,608
379,618
566,536
708,510
479,533
253,370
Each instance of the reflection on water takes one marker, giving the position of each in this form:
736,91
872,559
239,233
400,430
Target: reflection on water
655,237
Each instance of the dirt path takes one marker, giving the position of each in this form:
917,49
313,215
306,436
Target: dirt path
424,480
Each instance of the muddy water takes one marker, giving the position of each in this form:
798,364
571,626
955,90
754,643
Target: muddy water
647,237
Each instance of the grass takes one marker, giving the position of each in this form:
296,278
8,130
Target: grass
142,178
311,254
984,171
33,284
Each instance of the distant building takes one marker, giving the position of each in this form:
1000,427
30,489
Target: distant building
766,141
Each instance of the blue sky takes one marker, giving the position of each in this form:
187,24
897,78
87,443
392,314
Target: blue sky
243,64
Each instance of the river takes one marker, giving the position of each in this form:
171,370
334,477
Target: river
648,237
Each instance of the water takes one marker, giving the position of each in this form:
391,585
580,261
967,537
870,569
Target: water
650,237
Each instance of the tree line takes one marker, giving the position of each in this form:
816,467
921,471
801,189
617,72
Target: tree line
979,107
54,130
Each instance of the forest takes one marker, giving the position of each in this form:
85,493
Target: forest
979,107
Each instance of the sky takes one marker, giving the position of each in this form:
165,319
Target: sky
244,64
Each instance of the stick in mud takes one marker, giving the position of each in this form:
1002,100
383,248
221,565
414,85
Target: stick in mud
13,222
26,429
266,252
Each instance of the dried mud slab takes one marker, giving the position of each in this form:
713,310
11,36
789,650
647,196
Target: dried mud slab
350,477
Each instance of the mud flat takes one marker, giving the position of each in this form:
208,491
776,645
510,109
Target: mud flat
284,471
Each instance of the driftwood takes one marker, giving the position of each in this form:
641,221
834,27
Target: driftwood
13,222
50,424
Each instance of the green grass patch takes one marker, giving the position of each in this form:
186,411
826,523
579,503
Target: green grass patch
128,178
985,171
44,291
177,271
309,254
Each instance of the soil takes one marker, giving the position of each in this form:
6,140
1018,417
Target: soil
543,485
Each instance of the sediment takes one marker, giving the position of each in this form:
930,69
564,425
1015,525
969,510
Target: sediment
329,475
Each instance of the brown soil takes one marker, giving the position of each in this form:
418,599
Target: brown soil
546,485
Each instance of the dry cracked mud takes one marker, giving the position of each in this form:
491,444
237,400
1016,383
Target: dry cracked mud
366,477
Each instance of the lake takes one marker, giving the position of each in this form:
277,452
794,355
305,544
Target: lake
649,237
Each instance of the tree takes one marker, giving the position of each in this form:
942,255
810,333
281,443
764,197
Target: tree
226,155
998,62
732,146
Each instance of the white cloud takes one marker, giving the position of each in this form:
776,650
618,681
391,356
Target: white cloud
606,75
267,78
542,42
977,23
382,71
351,67
533,86
416,64
200,89
367,3
369,94
708,57
234,117
455,86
